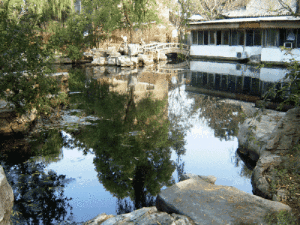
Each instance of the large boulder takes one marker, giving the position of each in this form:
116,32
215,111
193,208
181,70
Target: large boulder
99,61
10,122
264,138
124,61
146,59
206,203
112,61
133,49
145,216
6,199
255,132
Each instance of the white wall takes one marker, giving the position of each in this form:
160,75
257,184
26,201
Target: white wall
277,55
223,51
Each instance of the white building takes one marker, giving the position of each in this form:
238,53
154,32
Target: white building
242,37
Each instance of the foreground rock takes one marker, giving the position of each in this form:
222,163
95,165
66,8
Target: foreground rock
206,203
263,139
255,132
10,122
145,216
6,199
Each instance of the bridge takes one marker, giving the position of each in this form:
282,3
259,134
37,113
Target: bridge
167,48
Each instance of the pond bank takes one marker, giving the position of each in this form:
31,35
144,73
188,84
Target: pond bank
182,203
272,140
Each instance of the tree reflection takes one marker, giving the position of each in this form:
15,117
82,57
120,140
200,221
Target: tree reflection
131,143
39,196
46,144
222,117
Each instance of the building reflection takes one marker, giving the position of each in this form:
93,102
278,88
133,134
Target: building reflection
233,78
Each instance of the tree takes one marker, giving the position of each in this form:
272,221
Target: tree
109,15
24,62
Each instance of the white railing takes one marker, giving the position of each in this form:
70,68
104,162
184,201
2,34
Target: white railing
162,46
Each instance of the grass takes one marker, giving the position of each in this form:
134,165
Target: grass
287,179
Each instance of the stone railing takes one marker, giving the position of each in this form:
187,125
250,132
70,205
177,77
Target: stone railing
168,47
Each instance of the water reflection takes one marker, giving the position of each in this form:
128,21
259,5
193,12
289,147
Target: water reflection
131,141
230,79
39,196
150,130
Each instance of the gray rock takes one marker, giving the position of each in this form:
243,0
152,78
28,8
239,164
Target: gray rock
99,61
254,133
262,138
6,199
209,179
112,61
133,49
124,61
145,216
206,203
145,59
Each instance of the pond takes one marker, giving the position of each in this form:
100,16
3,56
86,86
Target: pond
126,135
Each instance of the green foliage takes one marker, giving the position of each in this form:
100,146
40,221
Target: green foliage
106,16
287,91
70,40
281,218
24,82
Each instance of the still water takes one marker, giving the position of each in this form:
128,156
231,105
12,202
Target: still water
128,134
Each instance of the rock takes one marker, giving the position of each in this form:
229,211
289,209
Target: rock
206,203
145,59
99,52
255,58
10,123
99,61
124,61
287,132
162,56
88,56
209,179
254,133
6,199
111,50
133,49
145,216
262,140
112,61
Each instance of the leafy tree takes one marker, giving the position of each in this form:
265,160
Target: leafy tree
23,63
106,16
70,40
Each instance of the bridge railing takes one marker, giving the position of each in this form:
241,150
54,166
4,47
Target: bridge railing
162,46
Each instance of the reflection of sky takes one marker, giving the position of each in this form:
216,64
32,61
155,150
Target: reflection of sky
91,198
206,154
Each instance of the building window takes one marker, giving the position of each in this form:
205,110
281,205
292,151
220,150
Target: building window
257,37
249,37
271,37
205,34
253,38
237,37
226,37
212,39
200,37
219,37
298,38
194,37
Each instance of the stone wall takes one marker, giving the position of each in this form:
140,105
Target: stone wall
6,199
